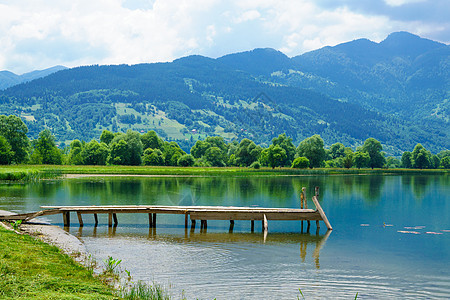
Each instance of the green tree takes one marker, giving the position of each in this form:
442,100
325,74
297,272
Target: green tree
215,156
95,153
246,153
393,163
407,160
337,150
186,160
106,137
132,155
347,161
200,147
420,157
313,149
151,140
285,142
6,153
15,132
45,150
373,148
153,157
361,159
119,153
300,163
274,156
445,162
75,157
435,162
172,152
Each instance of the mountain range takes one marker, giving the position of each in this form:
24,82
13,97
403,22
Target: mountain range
396,91
8,78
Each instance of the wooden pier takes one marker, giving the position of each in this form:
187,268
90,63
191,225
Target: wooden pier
194,213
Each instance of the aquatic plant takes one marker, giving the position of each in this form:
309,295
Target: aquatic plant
111,264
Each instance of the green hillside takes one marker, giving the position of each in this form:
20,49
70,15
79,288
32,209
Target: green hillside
345,93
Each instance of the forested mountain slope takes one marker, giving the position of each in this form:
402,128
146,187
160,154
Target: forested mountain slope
8,79
396,91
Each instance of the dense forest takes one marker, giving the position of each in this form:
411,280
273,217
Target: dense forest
133,148
396,91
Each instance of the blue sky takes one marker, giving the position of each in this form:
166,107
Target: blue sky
37,34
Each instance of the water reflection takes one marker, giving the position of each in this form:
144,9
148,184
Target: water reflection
305,240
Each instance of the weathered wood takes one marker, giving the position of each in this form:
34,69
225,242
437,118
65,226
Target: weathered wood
192,224
303,197
265,224
231,225
186,219
66,219
95,219
80,219
322,214
318,224
150,220
257,215
115,219
192,212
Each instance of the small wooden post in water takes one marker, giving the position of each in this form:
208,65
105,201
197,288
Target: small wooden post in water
317,195
95,219
186,219
252,226
321,212
154,220
150,220
110,220
231,225
115,220
66,218
265,224
80,219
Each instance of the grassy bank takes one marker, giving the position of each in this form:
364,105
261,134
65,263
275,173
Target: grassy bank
31,269
36,172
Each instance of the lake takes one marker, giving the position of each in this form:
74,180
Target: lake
391,237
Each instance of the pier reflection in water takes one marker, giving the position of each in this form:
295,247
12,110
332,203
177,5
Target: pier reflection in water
304,240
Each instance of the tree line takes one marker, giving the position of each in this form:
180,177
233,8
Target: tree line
133,148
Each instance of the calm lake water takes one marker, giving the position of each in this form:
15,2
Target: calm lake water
391,237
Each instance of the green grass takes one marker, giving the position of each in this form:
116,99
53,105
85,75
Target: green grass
31,269
34,172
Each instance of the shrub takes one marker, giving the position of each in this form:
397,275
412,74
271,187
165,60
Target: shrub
255,165
300,163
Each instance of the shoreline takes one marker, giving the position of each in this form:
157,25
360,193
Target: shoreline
52,235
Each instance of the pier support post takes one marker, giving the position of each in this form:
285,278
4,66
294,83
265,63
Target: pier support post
303,198
252,226
265,224
66,218
231,225
150,220
95,219
192,224
154,220
110,220
203,224
186,219
80,219
115,219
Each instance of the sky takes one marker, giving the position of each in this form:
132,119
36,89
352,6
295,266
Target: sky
38,34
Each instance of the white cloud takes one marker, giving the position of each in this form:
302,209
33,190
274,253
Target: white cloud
401,2
36,34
